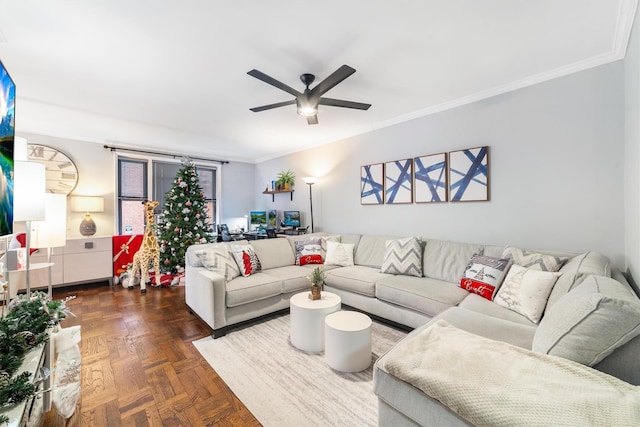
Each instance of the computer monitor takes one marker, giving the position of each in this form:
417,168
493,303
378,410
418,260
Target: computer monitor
291,218
258,217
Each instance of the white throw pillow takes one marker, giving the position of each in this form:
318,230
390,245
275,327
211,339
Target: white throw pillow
526,291
588,323
218,259
339,254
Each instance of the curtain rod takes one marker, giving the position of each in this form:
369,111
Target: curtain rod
157,153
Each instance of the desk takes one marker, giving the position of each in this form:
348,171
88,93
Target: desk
254,235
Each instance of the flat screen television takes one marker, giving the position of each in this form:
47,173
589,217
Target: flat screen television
7,142
291,218
258,217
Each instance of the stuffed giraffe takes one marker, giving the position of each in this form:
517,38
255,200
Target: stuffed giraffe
149,251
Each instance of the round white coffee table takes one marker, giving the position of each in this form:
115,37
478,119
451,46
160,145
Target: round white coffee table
307,319
347,346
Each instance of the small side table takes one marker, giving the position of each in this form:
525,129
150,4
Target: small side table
348,341
307,319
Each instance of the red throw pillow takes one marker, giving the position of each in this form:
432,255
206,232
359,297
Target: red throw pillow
310,259
482,289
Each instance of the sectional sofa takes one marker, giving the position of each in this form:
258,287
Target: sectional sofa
418,300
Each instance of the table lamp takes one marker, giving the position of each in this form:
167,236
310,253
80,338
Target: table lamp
87,204
52,232
28,201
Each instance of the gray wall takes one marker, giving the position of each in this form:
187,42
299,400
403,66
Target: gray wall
236,197
632,154
556,170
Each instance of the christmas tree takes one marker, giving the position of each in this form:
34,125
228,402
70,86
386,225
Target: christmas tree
184,219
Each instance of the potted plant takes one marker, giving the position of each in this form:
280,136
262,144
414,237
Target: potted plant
286,179
316,278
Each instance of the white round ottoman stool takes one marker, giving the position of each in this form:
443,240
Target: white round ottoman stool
347,341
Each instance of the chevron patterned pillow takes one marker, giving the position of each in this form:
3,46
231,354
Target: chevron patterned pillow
533,260
403,256
219,260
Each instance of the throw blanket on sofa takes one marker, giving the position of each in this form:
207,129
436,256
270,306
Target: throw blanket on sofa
491,383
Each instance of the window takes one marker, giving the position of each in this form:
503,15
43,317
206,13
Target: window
133,188
132,191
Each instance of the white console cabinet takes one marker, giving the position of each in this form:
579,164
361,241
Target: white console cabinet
81,260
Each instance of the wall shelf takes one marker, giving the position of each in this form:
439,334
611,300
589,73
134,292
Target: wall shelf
274,192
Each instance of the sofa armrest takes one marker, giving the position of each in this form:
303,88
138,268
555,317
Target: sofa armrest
205,295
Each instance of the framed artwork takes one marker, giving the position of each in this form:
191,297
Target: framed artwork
468,175
398,180
271,217
372,184
430,178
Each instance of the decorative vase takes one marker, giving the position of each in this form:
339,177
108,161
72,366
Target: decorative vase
287,186
315,292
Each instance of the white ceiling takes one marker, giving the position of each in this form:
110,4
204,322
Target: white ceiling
171,74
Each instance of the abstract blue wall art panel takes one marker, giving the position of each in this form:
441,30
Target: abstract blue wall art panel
372,184
430,178
398,180
468,175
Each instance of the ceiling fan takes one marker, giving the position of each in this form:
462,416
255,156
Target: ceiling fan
307,102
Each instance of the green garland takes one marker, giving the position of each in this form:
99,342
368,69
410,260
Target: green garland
25,327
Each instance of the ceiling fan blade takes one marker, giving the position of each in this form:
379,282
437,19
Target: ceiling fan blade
273,82
312,120
270,106
327,84
345,104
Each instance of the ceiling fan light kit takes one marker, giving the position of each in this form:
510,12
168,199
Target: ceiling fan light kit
307,102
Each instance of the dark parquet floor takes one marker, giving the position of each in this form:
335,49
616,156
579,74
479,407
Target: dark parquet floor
139,366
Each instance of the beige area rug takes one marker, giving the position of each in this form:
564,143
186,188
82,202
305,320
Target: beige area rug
284,386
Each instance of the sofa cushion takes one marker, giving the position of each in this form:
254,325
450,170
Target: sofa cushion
370,250
243,290
218,258
293,278
590,322
534,260
484,275
575,270
526,291
357,278
481,305
424,295
246,258
403,256
447,261
339,254
273,253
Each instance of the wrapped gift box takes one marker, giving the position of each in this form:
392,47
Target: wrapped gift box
124,247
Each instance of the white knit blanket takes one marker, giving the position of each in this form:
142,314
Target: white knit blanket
491,383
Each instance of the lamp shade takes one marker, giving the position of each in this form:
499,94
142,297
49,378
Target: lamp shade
28,191
52,232
87,204
309,180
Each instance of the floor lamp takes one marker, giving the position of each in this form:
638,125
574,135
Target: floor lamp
52,232
310,180
28,201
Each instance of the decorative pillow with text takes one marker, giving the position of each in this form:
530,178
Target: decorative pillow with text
308,252
484,275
